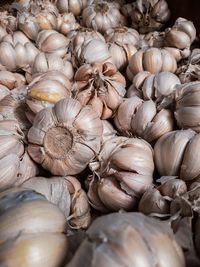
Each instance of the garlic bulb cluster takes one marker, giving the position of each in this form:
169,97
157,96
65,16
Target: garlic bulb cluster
75,7
153,60
65,138
101,15
67,194
32,230
177,154
153,86
15,164
125,168
100,85
148,15
128,239
141,118
47,89
187,98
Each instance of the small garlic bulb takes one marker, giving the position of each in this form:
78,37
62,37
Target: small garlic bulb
65,138
148,15
52,42
125,168
73,6
101,15
32,230
187,98
153,60
177,154
66,23
141,118
128,239
101,86
47,89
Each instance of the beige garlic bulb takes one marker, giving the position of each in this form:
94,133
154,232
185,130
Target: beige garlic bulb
177,154
67,194
52,42
66,23
181,35
153,60
101,15
187,99
7,23
128,239
65,138
32,230
100,85
148,15
153,86
16,166
141,118
124,169
73,6
47,89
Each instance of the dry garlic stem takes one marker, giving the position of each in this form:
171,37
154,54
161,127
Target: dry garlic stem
153,60
125,167
73,6
47,89
101,15
177,154
65,138
128,239
101,86
32,230
141,118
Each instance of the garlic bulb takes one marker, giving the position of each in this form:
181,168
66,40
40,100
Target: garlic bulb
52,42
197,235
153,60
66,23
177,154
141,118
125,167
7,24
101,86
47,89
101,15
187,99
181,35
32,230
75,7
148,15
11,80
153,86
65,138
128,239
12,162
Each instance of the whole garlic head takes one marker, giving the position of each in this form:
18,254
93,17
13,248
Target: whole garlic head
73,6
65,138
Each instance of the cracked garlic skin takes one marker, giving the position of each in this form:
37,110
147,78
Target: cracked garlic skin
128,239
32,230
100,85
65,138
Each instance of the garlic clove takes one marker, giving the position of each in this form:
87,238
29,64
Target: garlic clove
152,60
177,38
135,63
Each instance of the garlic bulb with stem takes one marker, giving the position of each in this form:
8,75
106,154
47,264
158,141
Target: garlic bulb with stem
100,85
73,6
32,230
141,118
128,239
65,138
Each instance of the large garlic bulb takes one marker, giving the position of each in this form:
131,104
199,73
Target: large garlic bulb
32,230
101,15
187,107
153,60
47,89
101,86
148,15
141,118
177,153
73,6
67,194
65,138
125,168
128,239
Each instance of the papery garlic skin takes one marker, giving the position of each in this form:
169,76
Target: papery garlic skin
73,6
66,23
128,239
64,139
100,85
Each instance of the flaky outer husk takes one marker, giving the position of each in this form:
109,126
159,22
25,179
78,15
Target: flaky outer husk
128,239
